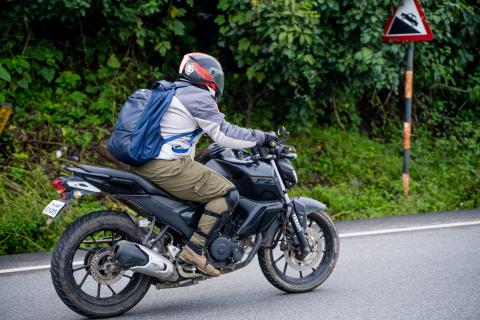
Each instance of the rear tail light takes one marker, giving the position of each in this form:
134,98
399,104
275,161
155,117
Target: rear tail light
57,184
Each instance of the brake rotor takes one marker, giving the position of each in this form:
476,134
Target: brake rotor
103,268
312,259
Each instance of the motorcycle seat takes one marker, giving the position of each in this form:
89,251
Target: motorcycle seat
119,176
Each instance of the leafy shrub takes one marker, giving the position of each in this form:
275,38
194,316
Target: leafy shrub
361,178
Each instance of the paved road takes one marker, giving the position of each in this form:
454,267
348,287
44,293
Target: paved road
422,274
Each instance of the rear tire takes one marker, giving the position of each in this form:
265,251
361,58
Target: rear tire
319,273
62,272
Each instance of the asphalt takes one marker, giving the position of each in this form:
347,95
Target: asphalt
423,274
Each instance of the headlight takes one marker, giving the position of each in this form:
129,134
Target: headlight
288,172
295,176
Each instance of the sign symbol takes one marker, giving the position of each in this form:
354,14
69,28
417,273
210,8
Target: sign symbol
410,17
408,23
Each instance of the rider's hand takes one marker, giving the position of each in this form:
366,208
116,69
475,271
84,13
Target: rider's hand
270,140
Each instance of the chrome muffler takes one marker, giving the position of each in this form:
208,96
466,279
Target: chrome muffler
138,258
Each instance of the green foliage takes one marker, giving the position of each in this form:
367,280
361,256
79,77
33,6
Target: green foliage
329,60
360,178
81,58
23,195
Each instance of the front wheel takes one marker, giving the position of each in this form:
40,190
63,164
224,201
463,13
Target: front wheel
84,273
287,268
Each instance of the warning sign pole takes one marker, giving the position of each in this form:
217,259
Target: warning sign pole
407,123
407,24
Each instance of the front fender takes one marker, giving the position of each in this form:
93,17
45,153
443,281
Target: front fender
311,205
304,206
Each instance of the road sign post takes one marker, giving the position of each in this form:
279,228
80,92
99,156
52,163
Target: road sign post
407,24
407,122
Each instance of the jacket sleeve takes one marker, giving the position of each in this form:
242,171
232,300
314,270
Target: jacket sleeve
205,111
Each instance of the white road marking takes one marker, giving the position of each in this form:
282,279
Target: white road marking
406,229
39,267
342,235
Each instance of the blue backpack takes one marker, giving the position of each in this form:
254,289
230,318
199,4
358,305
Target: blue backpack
136,136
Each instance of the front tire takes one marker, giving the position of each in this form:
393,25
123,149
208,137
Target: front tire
94,255
274,260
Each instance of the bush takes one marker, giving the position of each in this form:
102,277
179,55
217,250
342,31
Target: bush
360,178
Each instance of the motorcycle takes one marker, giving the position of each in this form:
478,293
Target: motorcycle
106,261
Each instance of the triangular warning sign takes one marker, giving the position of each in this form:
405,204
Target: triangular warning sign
408,23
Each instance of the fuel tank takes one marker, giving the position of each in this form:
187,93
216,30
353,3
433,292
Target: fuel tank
253,179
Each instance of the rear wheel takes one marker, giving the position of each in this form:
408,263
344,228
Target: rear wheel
84,274
287,269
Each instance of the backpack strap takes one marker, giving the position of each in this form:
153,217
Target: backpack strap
166,85
193,134
163,85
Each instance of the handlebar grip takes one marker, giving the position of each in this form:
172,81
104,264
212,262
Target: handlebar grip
255,151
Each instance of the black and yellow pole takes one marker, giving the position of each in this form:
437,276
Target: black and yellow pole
407,122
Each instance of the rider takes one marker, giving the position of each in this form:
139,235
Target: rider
194,106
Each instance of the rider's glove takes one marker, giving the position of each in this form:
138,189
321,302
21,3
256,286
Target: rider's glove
270,140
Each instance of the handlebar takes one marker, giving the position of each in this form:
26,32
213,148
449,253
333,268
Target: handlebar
275,150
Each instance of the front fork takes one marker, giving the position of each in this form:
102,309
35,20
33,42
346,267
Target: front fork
291,214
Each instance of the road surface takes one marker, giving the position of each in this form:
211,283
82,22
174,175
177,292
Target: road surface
412,267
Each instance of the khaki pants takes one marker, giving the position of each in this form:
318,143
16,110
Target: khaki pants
190,180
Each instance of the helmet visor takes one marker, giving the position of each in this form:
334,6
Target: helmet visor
219,79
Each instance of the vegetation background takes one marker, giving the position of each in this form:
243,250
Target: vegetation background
319,67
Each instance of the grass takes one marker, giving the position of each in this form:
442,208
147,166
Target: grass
360,178
357,177
23,228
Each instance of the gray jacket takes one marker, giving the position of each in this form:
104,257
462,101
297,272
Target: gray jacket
193,108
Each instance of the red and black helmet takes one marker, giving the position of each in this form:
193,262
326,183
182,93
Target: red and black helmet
204,71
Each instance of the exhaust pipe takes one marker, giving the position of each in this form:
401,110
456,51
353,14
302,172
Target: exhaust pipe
140,259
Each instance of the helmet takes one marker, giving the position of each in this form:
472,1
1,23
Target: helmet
204,71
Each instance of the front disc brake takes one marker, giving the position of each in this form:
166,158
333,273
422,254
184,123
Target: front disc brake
306,262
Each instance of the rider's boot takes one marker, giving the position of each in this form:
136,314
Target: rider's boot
190,254
212,220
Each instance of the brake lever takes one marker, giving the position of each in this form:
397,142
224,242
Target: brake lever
255,153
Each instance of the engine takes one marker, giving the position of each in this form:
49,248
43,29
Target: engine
225,250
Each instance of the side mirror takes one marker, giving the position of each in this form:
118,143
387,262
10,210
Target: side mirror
283,133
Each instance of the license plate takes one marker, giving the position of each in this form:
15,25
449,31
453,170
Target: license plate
54,208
